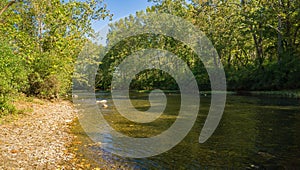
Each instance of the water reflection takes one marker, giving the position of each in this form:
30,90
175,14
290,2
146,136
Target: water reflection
254,133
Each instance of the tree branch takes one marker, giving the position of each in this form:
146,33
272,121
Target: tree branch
7,6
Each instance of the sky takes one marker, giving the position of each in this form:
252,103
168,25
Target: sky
121,8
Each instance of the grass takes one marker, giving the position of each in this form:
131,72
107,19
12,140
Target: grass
17,108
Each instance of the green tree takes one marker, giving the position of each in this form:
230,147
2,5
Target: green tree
41,41
256,41
49,35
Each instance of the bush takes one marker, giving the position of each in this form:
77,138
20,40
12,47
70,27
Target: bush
13,76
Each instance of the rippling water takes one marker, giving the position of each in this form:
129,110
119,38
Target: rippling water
254,133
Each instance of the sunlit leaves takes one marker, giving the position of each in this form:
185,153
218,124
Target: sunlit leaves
46,37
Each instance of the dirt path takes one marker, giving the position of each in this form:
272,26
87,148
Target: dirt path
38,140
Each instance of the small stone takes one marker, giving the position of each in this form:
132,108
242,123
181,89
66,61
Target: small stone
13,151
68,121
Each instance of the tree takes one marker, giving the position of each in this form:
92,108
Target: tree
256,41
40,41
48,36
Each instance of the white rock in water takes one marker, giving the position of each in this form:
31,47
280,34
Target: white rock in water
104,105
101,101
74,96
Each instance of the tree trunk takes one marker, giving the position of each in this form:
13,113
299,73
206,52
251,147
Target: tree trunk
279,42
258,46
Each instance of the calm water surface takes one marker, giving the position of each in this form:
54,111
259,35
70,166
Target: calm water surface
254,133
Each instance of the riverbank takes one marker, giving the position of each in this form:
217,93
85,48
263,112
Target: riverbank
281,93
46,134
39,137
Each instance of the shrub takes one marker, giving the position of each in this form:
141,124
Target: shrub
13,76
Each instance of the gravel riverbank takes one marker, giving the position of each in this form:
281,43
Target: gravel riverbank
39,138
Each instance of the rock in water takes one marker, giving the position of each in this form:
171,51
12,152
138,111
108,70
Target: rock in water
101,101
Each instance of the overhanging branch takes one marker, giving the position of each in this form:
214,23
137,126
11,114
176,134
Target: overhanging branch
7,6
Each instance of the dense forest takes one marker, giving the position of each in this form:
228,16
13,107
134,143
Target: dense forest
257,43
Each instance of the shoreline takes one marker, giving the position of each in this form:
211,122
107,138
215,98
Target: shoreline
281,93
39,138
272,93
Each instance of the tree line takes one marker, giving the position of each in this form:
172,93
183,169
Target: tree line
257,43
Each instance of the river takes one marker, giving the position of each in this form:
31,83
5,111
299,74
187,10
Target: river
255,132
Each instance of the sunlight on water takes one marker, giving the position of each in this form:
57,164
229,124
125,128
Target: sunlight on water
255,132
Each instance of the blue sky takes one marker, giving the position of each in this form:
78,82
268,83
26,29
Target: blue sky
122,8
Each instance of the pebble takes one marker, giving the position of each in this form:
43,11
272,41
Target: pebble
38,140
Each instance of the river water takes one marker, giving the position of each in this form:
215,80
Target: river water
254,133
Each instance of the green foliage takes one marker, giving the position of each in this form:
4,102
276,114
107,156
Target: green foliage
152,78
42,41
257,41
13,76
